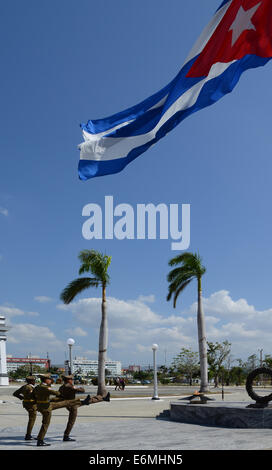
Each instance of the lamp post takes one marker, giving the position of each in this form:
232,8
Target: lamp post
155,394
70,343
30,364
261,364
222,378
261,357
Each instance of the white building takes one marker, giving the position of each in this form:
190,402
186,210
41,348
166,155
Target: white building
85,366
3,356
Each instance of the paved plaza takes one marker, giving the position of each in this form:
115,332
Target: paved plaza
127,423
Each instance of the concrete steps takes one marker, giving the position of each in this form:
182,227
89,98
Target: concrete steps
165,414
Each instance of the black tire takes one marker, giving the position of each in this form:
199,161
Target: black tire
249,385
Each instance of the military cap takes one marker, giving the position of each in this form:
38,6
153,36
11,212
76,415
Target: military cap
67,377
45,376
30,377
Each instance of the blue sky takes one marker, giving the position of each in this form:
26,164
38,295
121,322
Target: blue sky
65,63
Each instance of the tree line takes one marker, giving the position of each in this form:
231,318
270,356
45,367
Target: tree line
223,367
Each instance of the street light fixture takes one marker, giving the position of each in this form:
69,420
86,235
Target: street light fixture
30,364
70,342
261,365
155,394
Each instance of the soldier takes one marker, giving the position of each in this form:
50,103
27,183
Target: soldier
42,395
68,392
25,393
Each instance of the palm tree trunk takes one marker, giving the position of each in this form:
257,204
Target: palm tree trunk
216,381
202,342
103,344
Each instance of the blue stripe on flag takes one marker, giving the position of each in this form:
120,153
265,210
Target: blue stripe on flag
102,125
147,121
211,92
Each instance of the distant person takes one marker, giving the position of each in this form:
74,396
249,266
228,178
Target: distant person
122,384
25,393
117,384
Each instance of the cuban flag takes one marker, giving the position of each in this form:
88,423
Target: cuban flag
239,37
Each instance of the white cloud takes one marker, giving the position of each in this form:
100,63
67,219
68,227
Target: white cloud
43,299
39,338
76,331
11,311
222,304
32,314
147,298
128,313
90,353
134,326
4,211
77,347
142,348
118,345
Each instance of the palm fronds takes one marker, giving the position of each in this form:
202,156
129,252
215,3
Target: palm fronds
93,262
75,287
187,267
96,263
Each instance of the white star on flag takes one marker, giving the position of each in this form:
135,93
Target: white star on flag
243,22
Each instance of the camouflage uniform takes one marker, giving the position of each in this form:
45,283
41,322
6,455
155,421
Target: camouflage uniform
25,393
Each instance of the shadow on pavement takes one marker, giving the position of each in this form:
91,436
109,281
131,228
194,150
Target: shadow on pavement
110,416
19,440
15,440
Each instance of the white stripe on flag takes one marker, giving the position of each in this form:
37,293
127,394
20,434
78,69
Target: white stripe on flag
208,32
99,148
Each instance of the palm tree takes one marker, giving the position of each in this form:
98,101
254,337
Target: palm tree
188,267
97,264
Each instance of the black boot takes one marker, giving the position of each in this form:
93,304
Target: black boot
68,439
86,401
42,443
107,397
28,437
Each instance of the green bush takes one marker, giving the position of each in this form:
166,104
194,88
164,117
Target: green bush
164,381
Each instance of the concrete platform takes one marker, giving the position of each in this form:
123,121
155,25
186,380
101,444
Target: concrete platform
229,415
